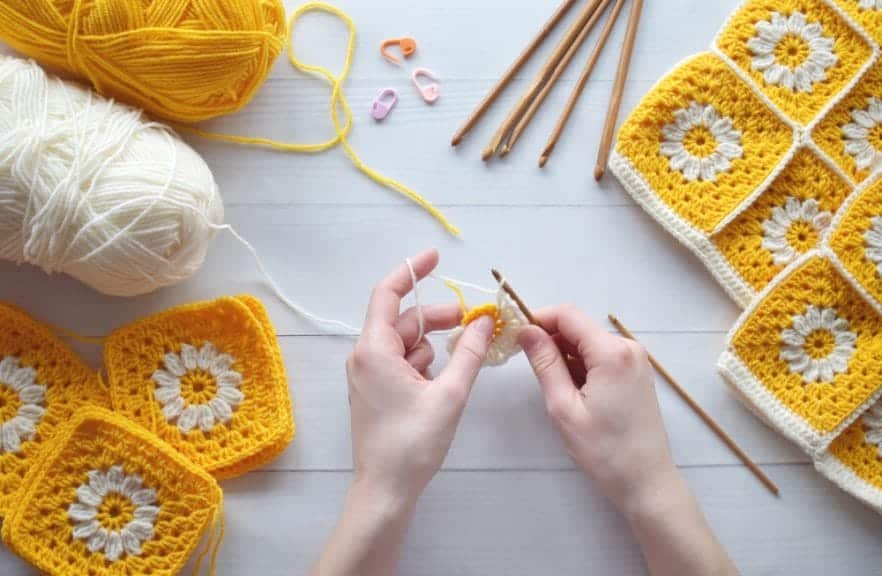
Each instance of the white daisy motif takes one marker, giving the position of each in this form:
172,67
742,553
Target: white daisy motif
818,345
22,403
509,321
794,228
791,52
863,136
114,513
198,388
873,238
870,4
701,143
872,421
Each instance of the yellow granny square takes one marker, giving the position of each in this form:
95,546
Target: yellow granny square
42,385
207,378
851,134
868,13
807,353
800,53
698,147
857,240
786,221
854,460
106,497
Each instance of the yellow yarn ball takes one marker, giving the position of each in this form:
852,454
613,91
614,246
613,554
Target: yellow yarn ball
184,60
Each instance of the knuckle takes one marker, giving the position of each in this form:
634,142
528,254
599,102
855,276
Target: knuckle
622,352
569,309
360,357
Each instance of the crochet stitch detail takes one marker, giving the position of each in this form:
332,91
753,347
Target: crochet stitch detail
209,379
106,497
43,384
509,320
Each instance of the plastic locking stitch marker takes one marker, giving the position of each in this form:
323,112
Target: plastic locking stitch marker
430,91
384,104
407,45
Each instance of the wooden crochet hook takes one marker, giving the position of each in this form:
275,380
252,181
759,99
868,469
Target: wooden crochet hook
517,299
710,422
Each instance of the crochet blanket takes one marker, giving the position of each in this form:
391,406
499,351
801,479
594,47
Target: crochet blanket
762,157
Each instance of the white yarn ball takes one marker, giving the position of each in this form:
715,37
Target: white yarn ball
90,188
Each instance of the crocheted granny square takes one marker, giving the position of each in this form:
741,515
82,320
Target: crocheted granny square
745,154
208,378
106,497
807,353
42,385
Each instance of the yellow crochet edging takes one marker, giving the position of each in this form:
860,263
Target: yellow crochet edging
230,413
185,500
53,385
337,100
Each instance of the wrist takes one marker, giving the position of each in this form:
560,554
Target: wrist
656,497
373,500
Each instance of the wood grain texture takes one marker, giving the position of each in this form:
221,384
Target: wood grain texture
508,500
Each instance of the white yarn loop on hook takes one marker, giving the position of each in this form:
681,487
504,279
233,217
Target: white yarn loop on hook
90,188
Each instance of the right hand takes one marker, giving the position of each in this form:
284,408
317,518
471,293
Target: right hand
611,425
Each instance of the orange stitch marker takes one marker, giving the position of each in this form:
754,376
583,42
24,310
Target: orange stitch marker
407,45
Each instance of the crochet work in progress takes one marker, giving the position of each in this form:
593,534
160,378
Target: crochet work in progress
106,497
43,384
509,320
762,157
209,379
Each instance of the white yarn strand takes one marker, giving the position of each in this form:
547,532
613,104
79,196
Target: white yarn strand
91,189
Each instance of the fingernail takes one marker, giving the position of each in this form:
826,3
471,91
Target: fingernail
484,326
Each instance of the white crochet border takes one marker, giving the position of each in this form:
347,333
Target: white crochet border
837,472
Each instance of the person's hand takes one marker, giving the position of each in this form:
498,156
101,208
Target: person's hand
599,392
403,422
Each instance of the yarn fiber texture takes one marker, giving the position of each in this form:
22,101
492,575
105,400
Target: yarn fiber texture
90,188
184,60
763,156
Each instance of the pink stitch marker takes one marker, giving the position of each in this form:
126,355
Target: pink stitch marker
384,104
430,91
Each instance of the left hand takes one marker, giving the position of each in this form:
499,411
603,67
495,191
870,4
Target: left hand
403,421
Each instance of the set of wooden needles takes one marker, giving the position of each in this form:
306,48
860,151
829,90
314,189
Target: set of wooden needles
519,118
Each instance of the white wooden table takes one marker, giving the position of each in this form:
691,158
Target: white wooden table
508,500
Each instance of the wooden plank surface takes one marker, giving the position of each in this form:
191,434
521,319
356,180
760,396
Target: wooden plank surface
508,500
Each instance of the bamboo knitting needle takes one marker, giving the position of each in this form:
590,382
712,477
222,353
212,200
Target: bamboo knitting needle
558,72
581,84
517,299
540,79
509,75
615,103
711,423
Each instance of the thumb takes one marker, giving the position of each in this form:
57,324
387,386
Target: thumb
551,369
468,355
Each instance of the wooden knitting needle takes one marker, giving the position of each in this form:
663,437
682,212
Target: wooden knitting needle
558,72
581,84
615,103
509,75
540,80
517,299
711,423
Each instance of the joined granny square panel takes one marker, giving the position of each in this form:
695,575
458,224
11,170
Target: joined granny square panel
763,157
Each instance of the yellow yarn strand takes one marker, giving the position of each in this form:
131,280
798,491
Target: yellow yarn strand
460,297
338,103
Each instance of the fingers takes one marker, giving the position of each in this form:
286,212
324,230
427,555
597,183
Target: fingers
561,395
421,357
591,341
574,362
385,304
467,358
442,317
